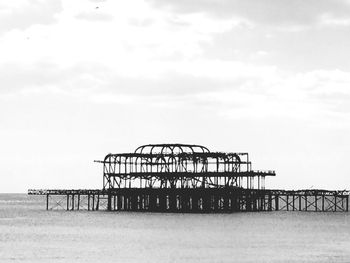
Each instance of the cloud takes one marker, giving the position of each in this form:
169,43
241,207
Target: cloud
24,13
270,12
331,20
150,55
229,90
133,36
94,16
48,78
330,89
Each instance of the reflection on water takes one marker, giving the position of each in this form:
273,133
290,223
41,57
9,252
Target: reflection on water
28,233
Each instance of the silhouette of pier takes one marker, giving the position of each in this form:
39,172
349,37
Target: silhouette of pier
188,178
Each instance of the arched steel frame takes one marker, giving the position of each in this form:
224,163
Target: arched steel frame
180,166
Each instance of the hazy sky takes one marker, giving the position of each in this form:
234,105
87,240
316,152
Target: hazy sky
80,79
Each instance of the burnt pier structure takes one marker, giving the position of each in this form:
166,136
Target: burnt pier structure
188,178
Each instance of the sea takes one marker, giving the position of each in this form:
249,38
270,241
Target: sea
29,233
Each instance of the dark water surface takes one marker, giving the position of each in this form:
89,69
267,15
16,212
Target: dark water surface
29,233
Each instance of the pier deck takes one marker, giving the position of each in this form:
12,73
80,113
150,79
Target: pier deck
207,200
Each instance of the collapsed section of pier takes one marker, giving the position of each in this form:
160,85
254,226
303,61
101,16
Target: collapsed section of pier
188,178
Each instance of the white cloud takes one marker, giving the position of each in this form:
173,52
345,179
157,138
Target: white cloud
116,42
331,20
268,12
22,14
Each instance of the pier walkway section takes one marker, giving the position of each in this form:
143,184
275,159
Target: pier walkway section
207,200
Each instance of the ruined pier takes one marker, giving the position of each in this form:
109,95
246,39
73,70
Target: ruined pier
188,178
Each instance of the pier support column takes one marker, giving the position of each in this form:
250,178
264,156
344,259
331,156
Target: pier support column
119,202
305,202
270,202
88,200
78,201
73,202
67,202
109,202
47,201
316,203
126,202
114,202
323,203
98,202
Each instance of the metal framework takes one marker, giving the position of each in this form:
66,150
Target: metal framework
188,178
180,166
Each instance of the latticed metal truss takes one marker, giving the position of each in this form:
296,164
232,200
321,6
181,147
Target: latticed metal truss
180,166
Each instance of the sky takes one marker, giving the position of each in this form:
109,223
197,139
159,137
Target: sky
81,79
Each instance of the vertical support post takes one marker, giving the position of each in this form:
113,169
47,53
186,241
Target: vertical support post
316,202
88,197
254,199
305,202
265,197
78,201
67,202
276,202
131,201
247,201
242,200
152,201
109,201
226,202
98,202
322,202
125,205
72,201
262,202
140,199
147,201
119,202
47,201
347,204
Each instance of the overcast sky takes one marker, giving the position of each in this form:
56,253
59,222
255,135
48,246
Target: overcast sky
80,79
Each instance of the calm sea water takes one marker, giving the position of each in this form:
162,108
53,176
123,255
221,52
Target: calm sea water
28,233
